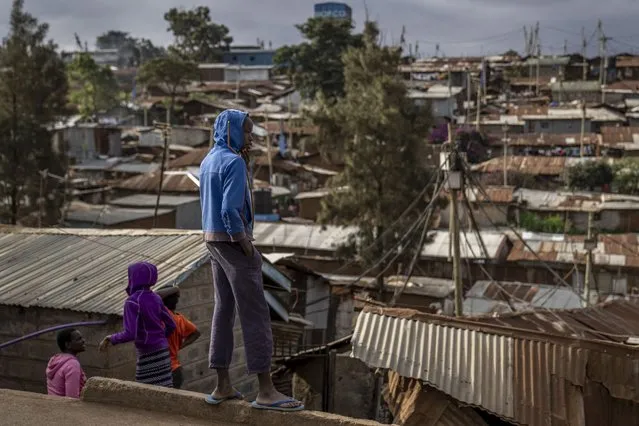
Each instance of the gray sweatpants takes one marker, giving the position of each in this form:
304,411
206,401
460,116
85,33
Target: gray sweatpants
237,279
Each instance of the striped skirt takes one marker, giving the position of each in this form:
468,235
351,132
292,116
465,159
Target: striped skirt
154,369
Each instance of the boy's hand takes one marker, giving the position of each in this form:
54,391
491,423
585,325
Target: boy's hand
104,345
247,247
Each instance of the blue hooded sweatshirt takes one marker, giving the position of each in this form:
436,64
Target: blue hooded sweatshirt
224,188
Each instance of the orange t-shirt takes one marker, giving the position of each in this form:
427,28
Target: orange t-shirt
183,329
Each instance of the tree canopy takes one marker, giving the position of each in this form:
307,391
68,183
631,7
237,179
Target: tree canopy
93,87
33,92
380,133
590,175
316,65
170,72
196,37
132,51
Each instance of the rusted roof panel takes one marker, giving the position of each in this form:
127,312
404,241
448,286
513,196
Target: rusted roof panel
192,159
525,375
174,181
626,138
627,62
613,249
547,139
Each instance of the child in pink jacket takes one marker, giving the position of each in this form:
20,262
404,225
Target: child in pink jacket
64,373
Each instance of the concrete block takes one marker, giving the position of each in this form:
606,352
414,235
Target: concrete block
181,402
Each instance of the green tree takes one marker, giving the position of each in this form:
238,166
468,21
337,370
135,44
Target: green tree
171,73
112,40
33,91
132,51
93,87
626,174
316,65
379,132
590,175
196,37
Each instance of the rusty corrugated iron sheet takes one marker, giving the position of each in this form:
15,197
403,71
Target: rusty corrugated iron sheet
416,404
191,159
525,376
627,61
618,137
612,250
547,166
496,194
548,139
174,181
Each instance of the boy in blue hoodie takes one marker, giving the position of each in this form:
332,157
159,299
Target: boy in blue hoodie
148,324
227,222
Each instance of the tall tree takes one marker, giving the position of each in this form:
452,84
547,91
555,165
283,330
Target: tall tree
380,133
316,64
112,40
93,87
132,51
171,73
33,91
197,37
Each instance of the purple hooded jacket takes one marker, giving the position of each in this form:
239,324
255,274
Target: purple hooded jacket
146,321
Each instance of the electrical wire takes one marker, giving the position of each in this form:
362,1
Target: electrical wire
401,242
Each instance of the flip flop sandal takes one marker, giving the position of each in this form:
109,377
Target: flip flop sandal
214,401
277,406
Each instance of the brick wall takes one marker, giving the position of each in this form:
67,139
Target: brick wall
196,303
22,366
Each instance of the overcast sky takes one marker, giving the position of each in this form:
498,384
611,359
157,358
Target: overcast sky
461,27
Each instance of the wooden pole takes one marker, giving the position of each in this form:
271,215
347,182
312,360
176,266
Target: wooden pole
588,261
165,136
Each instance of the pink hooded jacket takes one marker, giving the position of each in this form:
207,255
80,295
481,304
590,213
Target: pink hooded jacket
65,376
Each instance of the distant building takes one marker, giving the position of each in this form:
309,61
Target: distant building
333,10
110,57
249,55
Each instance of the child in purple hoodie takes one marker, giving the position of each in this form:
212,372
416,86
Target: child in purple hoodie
148,324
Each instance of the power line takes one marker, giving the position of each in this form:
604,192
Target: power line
476,40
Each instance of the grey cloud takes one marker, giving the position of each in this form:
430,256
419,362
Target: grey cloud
460,26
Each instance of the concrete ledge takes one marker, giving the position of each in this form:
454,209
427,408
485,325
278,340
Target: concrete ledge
173,401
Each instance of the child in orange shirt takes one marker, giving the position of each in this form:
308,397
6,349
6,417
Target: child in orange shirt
185,332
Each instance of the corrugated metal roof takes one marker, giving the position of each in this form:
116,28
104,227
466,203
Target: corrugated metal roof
328,238
174,181
135,167
191,159
437,288
486,297
611,250
575,86
575,201
626,138
547,166
627,61
109,215
86,270
548,60
149,200
526,376
547,139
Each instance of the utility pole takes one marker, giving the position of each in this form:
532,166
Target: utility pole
268,153
166,128
565,47
604,76
589,245
583,128
537,73
238,81
505,155
43,176
601,51
469,94
290,124
477,125
455,184
584,52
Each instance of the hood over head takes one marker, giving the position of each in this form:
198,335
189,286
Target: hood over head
57,362
232,119
142,275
